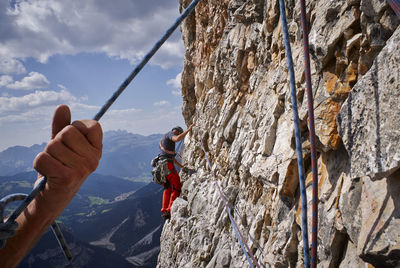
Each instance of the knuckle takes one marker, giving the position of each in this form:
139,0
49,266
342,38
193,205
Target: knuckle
51,146
95,127
39,159
92,164
67,133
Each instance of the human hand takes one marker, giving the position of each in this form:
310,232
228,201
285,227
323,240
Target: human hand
71,155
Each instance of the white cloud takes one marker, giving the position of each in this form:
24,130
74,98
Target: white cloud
124,112
5,80
10,65
121,28
176,82
37,99
161,103
176,93
33,81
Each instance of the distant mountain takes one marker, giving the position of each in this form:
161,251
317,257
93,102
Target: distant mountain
18,159
114,217
124,155
48,254
131,227
97,189
128,155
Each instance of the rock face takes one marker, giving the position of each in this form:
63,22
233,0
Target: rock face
235,89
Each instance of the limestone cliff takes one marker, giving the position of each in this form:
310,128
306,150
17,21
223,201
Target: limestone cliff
235,89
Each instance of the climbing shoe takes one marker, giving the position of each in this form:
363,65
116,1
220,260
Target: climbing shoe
166,215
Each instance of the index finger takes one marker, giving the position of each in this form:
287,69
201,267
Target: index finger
91,129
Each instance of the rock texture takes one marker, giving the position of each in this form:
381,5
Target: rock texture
235,89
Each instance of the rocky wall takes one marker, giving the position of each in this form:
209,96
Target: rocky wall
235,89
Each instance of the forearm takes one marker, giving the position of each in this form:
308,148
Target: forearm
182,135
177,163
31,224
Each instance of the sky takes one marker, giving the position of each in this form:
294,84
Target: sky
78,53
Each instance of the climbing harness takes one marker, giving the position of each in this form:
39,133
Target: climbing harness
249,255
296,121
395,4
314,164
8,226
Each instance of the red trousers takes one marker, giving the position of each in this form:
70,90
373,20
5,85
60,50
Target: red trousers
172,189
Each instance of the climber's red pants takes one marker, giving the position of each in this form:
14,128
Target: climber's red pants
172,189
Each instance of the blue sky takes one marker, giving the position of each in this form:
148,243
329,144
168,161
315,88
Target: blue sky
78,53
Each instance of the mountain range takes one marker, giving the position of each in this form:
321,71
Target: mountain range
113,221
124,155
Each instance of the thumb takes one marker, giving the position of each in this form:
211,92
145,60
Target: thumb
61,119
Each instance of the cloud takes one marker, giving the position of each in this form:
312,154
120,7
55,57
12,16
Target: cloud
123,29
5,80
176,82
161,103
27,102
176,93
9,65
124,112
33,81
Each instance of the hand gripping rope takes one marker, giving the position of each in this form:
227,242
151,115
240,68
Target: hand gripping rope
300,162
7,228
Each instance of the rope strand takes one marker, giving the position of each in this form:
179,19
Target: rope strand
395,4
249,255
296,121
146,58
314,164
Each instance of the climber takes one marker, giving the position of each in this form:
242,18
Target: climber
70,156
172,188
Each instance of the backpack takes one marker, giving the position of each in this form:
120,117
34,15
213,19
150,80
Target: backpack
160,170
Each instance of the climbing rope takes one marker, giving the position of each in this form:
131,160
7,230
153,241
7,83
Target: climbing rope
247,252
395,4
296,121
314,164
9,226
146,58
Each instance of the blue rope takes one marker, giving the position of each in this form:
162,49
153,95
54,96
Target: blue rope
395,4
240,241
247,252
296,122
148,56
10,224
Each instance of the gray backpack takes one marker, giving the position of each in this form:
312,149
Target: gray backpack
160,170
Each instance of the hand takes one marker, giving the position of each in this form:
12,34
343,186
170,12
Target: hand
71,155
190,127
